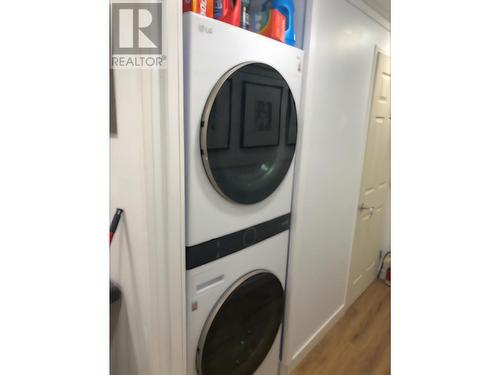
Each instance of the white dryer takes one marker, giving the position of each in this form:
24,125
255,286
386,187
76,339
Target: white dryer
242,92
235,311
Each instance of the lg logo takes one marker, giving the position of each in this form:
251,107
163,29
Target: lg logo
136,28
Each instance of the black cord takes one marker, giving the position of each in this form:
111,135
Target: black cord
114,223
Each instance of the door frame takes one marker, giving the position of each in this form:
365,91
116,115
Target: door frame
376,50
167,264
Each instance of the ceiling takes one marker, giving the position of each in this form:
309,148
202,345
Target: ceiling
382,7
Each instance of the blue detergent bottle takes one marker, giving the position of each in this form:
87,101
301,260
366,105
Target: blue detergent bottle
287,8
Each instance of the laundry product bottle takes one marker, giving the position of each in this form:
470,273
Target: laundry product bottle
272,23
228,11
268,4
203,7
287,9
217,9
245,14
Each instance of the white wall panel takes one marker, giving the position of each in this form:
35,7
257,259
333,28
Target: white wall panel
340,47
147,181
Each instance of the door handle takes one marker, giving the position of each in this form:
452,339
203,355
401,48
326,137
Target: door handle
363,207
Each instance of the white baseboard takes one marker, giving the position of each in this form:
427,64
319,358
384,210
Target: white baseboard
283,369
286,369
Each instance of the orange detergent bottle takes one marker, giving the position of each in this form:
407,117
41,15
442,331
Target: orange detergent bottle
203,7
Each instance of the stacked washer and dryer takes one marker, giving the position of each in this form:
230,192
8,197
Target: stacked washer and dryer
242,92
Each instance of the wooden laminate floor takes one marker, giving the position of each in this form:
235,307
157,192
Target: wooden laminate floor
360,342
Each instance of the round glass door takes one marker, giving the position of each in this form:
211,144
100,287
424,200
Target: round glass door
248,133
242,327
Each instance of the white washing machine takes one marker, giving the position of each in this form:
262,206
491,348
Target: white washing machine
242,92
235,311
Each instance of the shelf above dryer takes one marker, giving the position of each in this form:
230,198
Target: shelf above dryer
260,17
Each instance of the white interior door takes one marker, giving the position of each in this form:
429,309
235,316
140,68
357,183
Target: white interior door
374,194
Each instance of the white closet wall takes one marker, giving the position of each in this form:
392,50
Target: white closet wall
147,181
340,44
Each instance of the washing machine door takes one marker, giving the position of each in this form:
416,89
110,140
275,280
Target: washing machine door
242,326
248,133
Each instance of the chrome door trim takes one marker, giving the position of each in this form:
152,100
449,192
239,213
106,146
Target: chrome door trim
204,125
215,310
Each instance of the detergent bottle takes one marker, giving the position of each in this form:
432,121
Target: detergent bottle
245,14
286,8
228,11
260,18
217,9
276,21
272,24
203,7
268,5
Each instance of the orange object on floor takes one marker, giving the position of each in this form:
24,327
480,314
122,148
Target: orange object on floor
203,7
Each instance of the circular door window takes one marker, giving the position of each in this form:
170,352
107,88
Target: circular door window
242,326
248,133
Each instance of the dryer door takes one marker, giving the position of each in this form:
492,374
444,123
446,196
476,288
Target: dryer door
248,133
242,326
